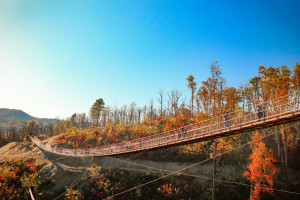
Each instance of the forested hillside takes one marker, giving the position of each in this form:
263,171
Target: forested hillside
12,114
11,118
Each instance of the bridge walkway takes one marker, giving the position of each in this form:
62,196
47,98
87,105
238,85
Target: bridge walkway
278,111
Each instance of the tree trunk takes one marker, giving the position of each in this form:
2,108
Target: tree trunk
213,183
214,173
192,103
221,98
277,141
251,189
285,157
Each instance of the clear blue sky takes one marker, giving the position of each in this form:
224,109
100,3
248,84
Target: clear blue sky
57,56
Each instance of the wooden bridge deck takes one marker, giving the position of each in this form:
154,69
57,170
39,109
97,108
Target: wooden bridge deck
278,112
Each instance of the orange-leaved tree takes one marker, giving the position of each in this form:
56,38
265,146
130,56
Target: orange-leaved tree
260,171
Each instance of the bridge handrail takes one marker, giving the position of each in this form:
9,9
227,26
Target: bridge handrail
202,128
220,118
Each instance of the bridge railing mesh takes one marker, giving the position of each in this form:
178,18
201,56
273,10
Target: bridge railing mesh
274,108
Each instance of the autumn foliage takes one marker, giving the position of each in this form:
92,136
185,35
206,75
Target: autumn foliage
261,169
168,190
16,175
73,195
212,98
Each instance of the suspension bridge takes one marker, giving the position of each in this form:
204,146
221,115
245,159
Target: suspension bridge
277,111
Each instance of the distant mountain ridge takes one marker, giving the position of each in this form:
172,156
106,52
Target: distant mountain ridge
17,118
12,114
